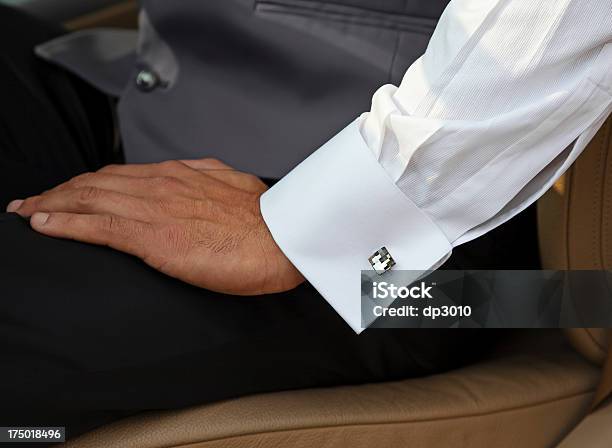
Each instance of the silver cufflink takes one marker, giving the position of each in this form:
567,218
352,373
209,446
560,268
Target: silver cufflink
382,261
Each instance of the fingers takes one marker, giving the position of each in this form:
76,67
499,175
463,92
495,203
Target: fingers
141,187
106,230
140,191
136,186
166,174
90,200
214,169
161,187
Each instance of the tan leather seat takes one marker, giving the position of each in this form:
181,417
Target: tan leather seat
529,394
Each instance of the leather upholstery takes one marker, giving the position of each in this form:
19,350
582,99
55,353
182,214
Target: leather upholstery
527,395
575,226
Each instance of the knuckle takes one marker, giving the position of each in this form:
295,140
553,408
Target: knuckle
87,195
109,223
114,225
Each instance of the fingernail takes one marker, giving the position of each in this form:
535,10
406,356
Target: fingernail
39,219
14,205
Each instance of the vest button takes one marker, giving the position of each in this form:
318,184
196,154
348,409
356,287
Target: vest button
147,80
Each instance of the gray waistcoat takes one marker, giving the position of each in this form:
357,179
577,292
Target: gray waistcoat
258,84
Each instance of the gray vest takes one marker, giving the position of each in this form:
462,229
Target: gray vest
258,84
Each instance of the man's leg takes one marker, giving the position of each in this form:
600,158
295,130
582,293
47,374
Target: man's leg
89,334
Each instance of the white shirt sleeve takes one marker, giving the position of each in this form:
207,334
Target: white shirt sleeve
507,95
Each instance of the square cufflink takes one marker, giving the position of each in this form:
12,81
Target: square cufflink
381,261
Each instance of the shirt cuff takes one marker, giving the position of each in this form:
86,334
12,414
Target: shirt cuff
338,207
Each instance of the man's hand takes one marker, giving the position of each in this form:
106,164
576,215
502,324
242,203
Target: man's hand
198,221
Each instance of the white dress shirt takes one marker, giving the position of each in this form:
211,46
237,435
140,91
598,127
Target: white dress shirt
507,95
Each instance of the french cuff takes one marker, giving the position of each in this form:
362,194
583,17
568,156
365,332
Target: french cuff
336,209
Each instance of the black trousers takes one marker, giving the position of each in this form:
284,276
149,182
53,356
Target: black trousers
88,335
